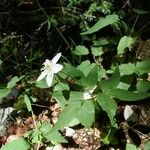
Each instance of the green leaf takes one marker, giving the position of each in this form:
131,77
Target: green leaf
127,69
4,92
109,105
101,73
147,146
86,64
124,95
131,147
27,102
1,62
140,11
18,144
144,66
81,50
61,87
42,84
67,115
86,114
125,42
13,81
113,82
103,22
71,71
75,96
59,97
143,86
97,51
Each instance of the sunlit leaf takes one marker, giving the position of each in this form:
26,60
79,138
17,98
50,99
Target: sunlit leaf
86,113
27,102
18,144
103,22
4,92
125,42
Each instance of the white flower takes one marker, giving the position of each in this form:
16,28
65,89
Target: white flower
88,95
50,67
69,132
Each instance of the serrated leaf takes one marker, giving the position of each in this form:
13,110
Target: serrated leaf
59,97
125,42
67,115
61,87
109,105
27,102
103,22
143,86
144,66
107,85
71,71
86,114
86,64
13,81
4,92
18,144
97,51
147,146
124,95
127,69
75,96
42,84
131,147
81,50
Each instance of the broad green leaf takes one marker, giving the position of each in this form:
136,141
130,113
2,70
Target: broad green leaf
127,69
140,11
124,95
97,51
71,71
18,144
42,84
100,42
109,105
86,64
147,146
144,66
67,115
101,73
86,113
131,147
59,97
13,82
61,87
143,86
125,42
54,137
123,86
81,50
90,79
75,96
103,22
107,85
27,102
4,92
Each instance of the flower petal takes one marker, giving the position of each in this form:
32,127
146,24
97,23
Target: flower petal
56,68
49,79
42,75
56,58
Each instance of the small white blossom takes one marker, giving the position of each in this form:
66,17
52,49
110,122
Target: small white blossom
69,132
50,67
88,95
